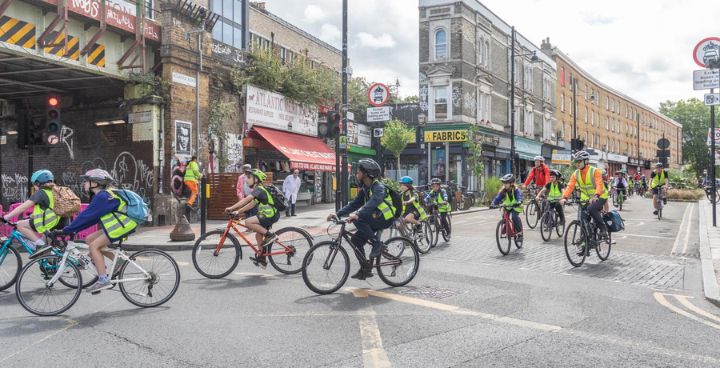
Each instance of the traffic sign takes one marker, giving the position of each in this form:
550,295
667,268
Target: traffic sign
706,79
663,143
343,142
378,94
712,99
378,132
53,139
707,52
378,113
717,137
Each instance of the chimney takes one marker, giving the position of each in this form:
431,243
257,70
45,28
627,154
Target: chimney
260,5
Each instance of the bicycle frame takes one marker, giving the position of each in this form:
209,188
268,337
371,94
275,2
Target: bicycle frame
20,238
236,225
509,225
359,254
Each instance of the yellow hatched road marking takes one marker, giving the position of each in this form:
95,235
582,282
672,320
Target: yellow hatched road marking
684,301
660,298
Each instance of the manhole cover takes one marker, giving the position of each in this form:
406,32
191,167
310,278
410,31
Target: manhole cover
432,292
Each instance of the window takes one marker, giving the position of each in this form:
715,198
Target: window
607,123
528,80
617,107
586,114
547,88
547,127
562,102
441,103
529,128
592,117
484,106
607,103
440,44
483,50
283,55
229,28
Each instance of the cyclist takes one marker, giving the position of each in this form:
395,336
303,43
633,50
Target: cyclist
643,183
589,181
553,190
511,195
266,216
438,197
412,210
658,181
541,173
191,178
43,218
620,184
631,184
108,210
372,210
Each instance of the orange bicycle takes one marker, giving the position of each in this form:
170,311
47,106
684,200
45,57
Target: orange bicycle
217,253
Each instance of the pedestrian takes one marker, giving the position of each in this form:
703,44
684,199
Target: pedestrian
291,187
241,187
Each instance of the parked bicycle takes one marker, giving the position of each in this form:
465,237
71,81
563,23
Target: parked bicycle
581,235
709,192
50,283
505,233
550,220
327,265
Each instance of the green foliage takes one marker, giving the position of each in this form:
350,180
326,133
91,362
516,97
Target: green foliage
475,148
567,171
395,138
218,113
263,70
682,179
492,187
695,119
391,183
152,85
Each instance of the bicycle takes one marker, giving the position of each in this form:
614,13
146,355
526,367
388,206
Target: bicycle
435,221
549,220
324,272
423,238
41,279
660,202
618,198
532,209
584,237
216,253
505,231
708,193
11,262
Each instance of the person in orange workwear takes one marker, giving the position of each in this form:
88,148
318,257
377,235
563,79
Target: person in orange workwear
588,180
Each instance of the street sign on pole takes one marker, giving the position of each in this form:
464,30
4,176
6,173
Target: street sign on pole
717,136
707,51
712,99
378,132
378,94
706,79
378,113
663,143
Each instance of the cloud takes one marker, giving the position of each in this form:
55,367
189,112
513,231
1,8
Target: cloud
330,34
381,42
599,20
314,13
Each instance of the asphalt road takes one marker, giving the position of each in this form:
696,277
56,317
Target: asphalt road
469,306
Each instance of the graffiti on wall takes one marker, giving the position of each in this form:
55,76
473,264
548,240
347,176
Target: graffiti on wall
176,176
14,187
234,152
133,174
66,138
71,175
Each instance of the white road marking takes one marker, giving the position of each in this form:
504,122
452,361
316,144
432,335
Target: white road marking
687,230
660,298
684,301
644,236
374,354
677,237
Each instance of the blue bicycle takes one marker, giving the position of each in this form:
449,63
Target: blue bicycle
11,262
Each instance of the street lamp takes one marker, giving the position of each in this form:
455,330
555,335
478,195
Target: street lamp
533,59
574,144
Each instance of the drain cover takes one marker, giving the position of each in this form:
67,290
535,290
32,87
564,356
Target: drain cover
432,292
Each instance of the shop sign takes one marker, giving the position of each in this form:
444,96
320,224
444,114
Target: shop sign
488,139
617,158
359,134
446,136
561,157
273,110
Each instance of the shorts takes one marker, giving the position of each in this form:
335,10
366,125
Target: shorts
252,212
412,211
655,190
267,222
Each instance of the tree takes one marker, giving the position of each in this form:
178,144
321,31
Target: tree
475,149
695,119
395,138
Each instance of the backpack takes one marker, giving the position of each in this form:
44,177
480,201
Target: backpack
67,203
136,207
614,221
279,200
396,198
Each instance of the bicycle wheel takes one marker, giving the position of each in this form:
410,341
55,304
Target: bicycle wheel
296,243
559,227
603,248
10,265
435,228
399,262
532,210
575,240
215,264
155,278
39,298
423,238
546,226
322,271
620,202
502,238
447,232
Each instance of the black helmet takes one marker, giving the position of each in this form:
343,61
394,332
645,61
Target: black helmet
435,181
508,178
369,167
556,174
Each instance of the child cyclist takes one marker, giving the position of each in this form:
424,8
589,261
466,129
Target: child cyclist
412,210
107,210
438,197
553,190
266,216
511,195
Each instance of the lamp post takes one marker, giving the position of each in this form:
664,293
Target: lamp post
574,144
533,59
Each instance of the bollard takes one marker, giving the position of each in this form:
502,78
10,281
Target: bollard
182,231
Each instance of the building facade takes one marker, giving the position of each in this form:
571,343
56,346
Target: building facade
465,82
620,132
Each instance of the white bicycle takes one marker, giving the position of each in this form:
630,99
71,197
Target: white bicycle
51,283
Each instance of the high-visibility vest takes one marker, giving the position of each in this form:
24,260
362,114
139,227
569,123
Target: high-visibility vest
190,171
587,186
444,207
406,195
554,193
510,200
385,207
658,179
45,219
266,210
117,224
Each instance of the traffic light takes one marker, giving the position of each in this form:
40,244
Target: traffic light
36,131
53,124
333,121
22,121
576,145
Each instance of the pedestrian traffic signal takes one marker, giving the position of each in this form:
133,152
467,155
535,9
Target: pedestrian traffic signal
333,121
53,124
576,145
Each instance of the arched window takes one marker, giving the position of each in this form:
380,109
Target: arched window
440,44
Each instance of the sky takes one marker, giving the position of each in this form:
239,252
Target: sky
642,48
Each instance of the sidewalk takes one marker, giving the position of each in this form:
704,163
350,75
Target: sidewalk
709,252
311,218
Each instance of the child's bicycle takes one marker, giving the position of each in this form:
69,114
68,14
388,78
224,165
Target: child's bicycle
11,261
216,253
505,232
48,284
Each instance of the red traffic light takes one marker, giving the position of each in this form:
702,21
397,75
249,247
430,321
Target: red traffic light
53,101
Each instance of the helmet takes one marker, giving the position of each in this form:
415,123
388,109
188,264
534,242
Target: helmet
658,165
508,178
246,168
41,177
539,158
435,181
580,156
406,180
642,176
258,174
99,176
556,174
369,167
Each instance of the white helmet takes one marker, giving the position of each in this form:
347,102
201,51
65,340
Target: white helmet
99,176
539,158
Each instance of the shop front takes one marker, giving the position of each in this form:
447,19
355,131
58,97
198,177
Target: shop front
495,153
617,163
446,151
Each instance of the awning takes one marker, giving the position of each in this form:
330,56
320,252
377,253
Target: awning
305,153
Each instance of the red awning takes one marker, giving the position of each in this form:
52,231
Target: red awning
305,153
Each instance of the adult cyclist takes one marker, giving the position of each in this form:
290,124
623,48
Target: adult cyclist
588,180
658,181
540,173
620,184
438,197
372,210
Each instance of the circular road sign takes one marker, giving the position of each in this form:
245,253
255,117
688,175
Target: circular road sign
53,139
378,94
663,143
707,51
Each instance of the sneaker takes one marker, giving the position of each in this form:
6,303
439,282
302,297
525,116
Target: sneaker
655,212
259,261
362,274
98,287
293,214
665,201
269,239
